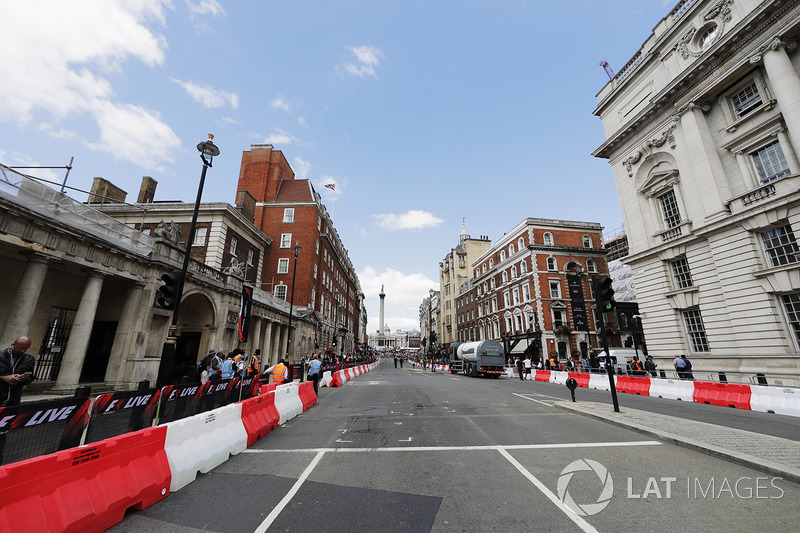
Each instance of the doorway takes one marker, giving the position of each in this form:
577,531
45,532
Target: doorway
98,351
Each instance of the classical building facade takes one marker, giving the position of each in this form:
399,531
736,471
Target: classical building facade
532,289
703,135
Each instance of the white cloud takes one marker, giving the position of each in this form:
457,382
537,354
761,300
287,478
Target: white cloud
206,7
368,58
281,103
301,168
413,219
404,295
53,61
302,121
280,137
207,96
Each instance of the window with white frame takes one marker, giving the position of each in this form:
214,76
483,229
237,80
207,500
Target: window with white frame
555,289
491,263
681,274
502,255
780,245
315,271
696,330
669,209
505,276
286,240
513,272
511,250
493,308
523,267
280,292
746,99
587,241
316,248
234,245
250,256
559,318
791,304
521,243
551,263
200,235
548,238
288,214
506,299
492,284
591,266
509,327
283,266
526,292
770,162
518,321
515,295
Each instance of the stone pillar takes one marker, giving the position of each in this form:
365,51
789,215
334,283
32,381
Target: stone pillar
72,363
283,344
709,175
255,337
126,329
785,86
791,158
25,299
268,356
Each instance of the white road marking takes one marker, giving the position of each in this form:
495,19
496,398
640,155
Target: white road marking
404,440
343,441
493,447
525,396
289,495
580,522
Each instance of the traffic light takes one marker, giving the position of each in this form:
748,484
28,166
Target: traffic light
604,295
168,292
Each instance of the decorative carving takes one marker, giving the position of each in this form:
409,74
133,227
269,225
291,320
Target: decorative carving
721,9
774,44
648,146
683,44
236,268
232,317
169,231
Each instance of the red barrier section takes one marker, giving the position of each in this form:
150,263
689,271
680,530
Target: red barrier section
543,375
269,387
724,394
336,379
87,488
633,385
259,416
307,395
581,378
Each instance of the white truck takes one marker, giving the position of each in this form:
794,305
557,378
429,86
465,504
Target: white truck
477,358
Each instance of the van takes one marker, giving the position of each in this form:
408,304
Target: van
621,358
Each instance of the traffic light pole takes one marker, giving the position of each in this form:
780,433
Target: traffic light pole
604,338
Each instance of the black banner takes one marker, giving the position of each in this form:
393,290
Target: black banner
116,413
215,393
579,318
575,288
244,312
179,401
37,428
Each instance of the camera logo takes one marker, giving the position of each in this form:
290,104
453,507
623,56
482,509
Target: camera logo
585,465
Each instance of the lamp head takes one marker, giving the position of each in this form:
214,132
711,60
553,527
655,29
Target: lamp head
208,150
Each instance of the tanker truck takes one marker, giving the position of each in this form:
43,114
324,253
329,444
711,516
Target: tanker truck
477,358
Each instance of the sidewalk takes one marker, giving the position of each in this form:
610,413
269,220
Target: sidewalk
768,454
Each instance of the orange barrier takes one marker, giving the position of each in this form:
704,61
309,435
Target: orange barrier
724,394
543,375
87,488
581,378
633,385
307,395
259,416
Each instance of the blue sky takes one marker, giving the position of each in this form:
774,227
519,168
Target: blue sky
423,113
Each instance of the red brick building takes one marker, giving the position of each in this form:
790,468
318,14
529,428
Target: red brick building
522,288
291,212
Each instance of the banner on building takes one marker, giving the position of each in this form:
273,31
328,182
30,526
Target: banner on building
244,312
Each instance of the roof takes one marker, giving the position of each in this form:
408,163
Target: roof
295,191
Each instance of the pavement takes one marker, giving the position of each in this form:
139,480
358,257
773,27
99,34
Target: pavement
772,455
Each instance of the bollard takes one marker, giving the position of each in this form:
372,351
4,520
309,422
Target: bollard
762,379
143,384
572,384
662,374
723,378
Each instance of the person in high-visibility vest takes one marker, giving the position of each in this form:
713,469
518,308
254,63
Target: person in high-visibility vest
254,364
279,372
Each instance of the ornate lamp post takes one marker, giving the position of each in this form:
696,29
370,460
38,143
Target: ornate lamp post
296,249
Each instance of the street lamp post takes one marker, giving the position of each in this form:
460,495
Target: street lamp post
208,151
296,249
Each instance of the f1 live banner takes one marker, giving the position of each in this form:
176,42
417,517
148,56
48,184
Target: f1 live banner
115,413
244,312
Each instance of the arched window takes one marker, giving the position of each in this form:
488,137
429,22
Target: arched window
590,266
505,276
548,238
587,241
523,267
521,243
513,272
551,263
511,250
502,255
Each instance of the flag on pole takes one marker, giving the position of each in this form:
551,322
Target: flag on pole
331,186
244,312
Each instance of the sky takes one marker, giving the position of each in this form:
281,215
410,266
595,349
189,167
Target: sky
426,115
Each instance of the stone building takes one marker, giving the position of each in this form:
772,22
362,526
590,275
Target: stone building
703,135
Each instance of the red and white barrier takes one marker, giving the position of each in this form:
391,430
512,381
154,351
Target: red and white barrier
287,402
781,401
673,389
259,416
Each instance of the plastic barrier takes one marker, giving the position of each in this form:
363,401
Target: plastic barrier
543,375
559,378
599,381
336,379
724,394
581,378
633,385
202,442
287,402
673,389
307,395
326,379
87,488
269,387
781,401
259,416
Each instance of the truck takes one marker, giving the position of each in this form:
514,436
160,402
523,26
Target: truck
477,358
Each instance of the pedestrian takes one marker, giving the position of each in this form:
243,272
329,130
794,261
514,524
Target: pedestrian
279,372
228,367
16,369
687,367
520,367
254,363
202,367
680,365
650,365
215,366
528,366
314,367
395,361
401,362
637,367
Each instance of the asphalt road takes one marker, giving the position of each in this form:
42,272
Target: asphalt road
406,450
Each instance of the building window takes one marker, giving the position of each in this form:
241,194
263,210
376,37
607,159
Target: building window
200,236
555,289
745,100
515,294
234,244
511,250
286,240
558,318
780,245
696,330
288,214
548,239
315,271
669,209
770,162
313,297
316,247
587,241
283,266
506,299
280,292
521,243
526,292
502,255
491,263
707,36
551,263
509,327
791,303
505,276
681,274
250,256
523,267
590,266
513,272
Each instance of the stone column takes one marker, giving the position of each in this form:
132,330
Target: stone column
709,175
25,299
791,158
266,346
115,371
72,362
785,86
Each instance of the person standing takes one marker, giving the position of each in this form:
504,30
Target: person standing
16,371
401,361
687,368
650,365
520,366
254,363
528,366
279,372
228,367
215,366
314,367
680,366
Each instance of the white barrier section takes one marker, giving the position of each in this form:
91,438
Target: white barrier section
781,401
509,372
673,389
202,442
599,381
559,378
287,402
326,379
